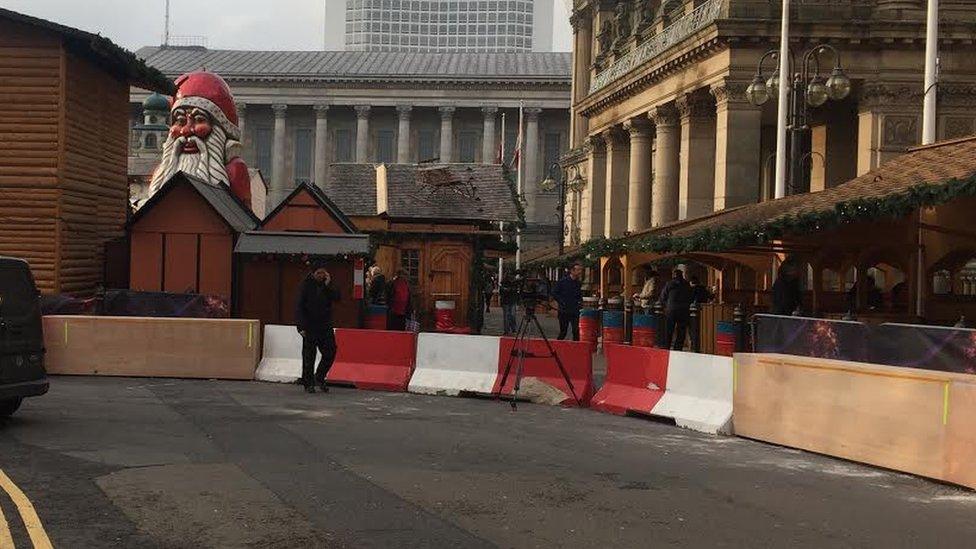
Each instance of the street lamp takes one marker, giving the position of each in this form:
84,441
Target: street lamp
550,183
809,90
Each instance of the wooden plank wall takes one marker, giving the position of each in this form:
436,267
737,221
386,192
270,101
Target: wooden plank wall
30,107
94,183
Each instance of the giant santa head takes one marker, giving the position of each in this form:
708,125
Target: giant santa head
204,138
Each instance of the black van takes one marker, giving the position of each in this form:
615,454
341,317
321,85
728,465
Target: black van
21,339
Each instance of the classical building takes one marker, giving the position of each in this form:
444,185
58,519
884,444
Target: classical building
302,111
439,25
661,126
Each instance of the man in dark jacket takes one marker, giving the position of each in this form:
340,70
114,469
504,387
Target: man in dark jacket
787,295
568,294
676,297
313,315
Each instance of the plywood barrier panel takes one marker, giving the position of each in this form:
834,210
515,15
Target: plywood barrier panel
960,418
881,415
152,347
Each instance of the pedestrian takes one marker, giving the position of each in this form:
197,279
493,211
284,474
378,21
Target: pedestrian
699,293
676,297
313,316
489,290
508,296
377,286
787,296
568,294
398,301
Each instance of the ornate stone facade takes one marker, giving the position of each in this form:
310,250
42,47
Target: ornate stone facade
684,66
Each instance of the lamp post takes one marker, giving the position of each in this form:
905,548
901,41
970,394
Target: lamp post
808,90
575,184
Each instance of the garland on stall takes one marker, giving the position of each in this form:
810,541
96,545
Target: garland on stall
717,239
509,176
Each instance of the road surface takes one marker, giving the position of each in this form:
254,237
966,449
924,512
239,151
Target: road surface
187,464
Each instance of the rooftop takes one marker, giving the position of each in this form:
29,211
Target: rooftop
100,50
447,192
335,66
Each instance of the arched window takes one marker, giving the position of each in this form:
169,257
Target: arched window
151,141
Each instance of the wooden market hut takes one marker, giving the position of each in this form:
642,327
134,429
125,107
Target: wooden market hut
194,237
438,222
907,223
64,138
272,260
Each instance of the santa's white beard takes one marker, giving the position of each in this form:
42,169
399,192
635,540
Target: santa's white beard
208,164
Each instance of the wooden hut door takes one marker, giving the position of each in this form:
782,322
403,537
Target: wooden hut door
450,267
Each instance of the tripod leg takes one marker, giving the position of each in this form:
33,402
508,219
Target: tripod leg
521,346
559,362
508,365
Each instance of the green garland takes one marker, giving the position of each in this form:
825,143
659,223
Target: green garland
717,239
509,176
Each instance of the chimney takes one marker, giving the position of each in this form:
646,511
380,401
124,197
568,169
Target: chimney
382,190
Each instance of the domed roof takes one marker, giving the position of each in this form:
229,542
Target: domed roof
156,102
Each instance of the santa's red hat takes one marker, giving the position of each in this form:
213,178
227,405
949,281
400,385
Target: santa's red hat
208,91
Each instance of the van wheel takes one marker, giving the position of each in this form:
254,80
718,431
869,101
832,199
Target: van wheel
8,407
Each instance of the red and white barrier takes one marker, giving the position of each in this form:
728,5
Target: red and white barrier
376,360
542,380
281,359
367,359
450,364
693,389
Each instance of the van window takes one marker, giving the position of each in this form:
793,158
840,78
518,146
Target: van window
17,290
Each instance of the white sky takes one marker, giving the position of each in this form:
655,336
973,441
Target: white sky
226,24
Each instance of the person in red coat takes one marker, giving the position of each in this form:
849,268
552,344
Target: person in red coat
204,137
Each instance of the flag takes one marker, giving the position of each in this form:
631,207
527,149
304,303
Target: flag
517,154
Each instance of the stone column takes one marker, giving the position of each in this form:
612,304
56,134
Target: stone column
447,134
696,190
617,182
738,157
246,152
664,193
582,22
595,193
403,134
530,175
279,180
362,133
639,192
488,153
321,145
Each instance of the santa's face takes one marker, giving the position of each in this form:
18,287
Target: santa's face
187,123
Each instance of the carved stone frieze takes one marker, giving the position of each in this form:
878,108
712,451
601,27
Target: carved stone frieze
959,126
885,94
900,131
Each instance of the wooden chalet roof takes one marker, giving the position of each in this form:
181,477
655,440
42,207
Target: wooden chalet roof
102,51
930,166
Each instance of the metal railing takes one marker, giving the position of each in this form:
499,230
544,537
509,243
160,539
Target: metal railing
675,33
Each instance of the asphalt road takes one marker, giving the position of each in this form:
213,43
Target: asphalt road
190,464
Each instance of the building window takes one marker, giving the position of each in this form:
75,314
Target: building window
262,149
426,145
384,146
467,145
410,262
343,145
553,148
151,141
303,155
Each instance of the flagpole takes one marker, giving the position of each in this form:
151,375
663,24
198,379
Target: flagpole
501,224
518,192
931,73
785,85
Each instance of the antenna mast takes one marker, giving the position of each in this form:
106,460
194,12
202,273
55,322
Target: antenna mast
166,30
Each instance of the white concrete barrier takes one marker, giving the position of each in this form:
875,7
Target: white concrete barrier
699,392
451,364
281,360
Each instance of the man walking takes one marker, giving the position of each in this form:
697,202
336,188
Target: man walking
313,315
676,297
568,294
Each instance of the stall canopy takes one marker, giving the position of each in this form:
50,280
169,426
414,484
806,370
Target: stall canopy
311,244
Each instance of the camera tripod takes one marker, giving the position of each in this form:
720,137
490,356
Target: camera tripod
521,351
